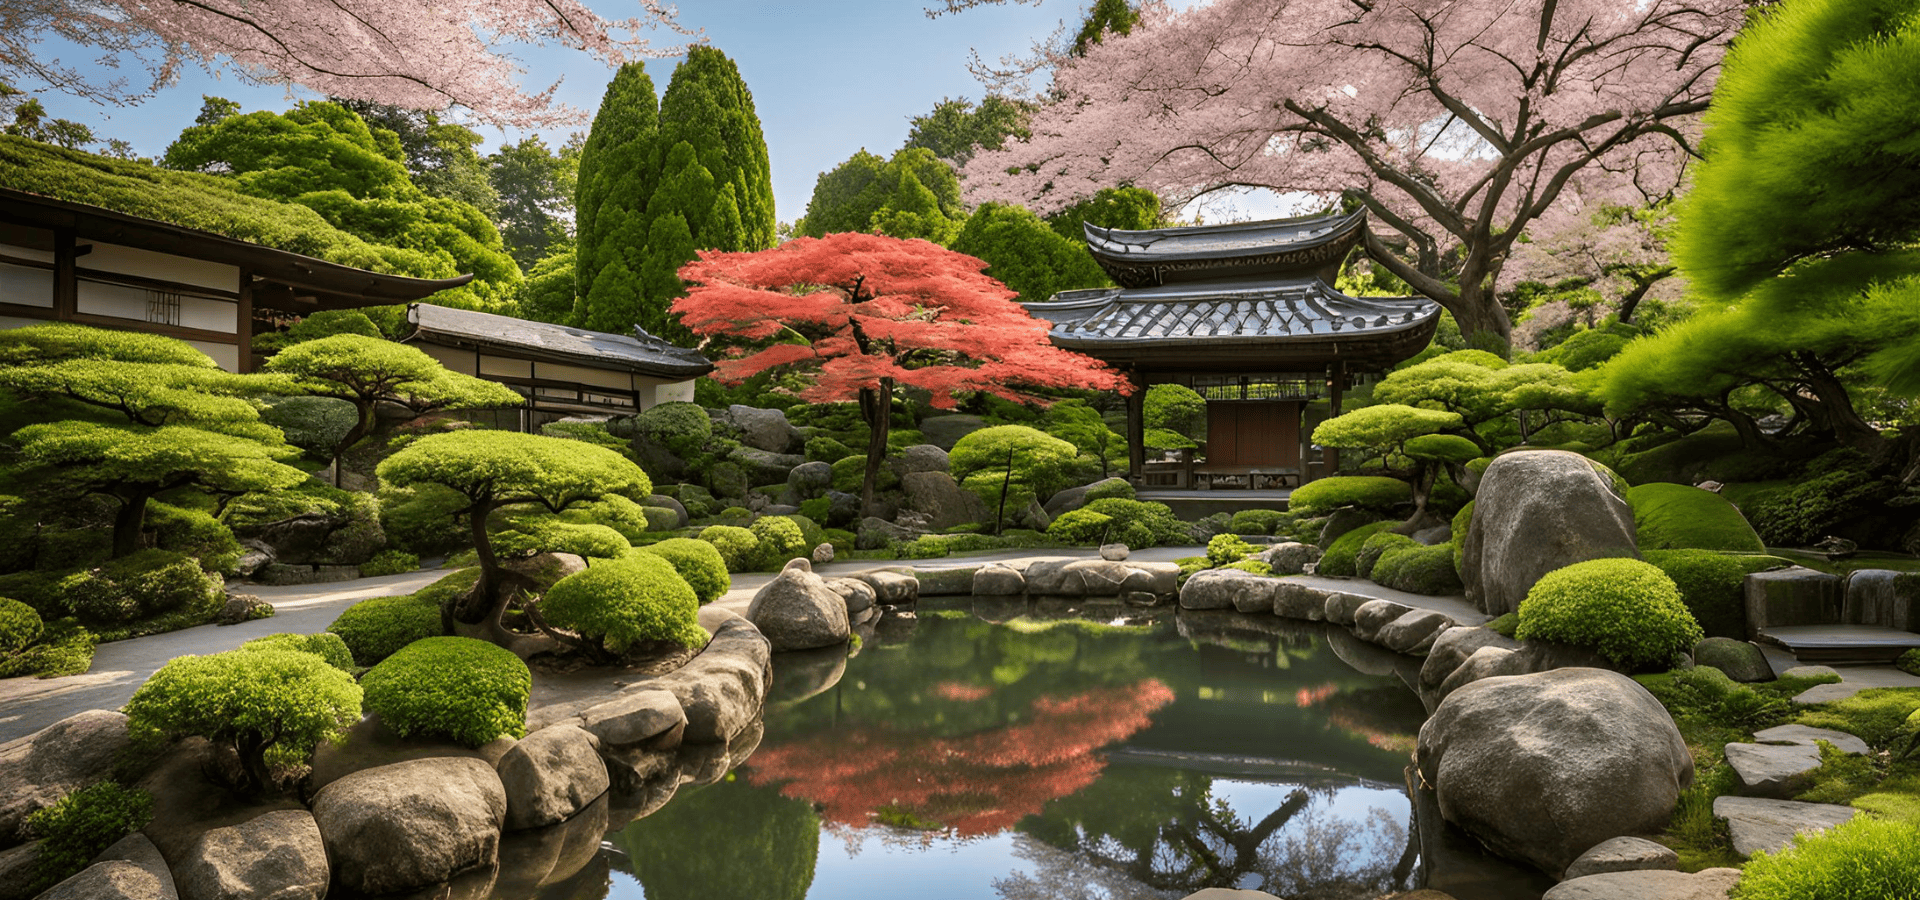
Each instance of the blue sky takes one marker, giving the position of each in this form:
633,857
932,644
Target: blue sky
828,77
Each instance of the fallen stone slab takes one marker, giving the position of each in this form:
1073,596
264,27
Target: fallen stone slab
1710,884
1623,854
1773,770
1761,824
1807,734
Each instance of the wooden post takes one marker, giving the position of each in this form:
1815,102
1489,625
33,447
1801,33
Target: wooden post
66,282
1337,384
1137,428
243,321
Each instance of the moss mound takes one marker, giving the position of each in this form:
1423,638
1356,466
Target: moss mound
698,562
468,690
1712,585
378,628
1418,570
1372,492
1628,610
1341,555
626,602
1682,517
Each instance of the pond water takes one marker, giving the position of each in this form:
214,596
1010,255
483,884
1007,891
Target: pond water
1097,752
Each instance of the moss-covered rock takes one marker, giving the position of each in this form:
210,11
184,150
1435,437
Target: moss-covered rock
1712,585
1418,570
1370,492
1682,517
1374,546
1340,558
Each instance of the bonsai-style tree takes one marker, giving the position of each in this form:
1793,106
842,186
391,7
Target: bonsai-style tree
992,461
1409,442
874,313
496,470
1178,409
366,370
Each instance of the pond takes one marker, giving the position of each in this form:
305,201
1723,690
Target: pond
1099,751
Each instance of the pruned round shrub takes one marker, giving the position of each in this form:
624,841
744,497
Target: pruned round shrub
698,562
145,583
1682,517
1713,585
779,540
375,629
1080,526
65,648
1341,554
326,645
20,626
1628,610
619,513
1445,448
1260,521
623,603
737,546
469,691
389,562
1375,545
1140,523
1370,492
1418,570
682,428
80,825
1860,858
271,706
1227,548
546,534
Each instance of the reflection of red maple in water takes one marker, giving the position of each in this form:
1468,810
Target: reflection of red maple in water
978,784
961,693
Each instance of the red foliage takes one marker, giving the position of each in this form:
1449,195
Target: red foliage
978,784
874,307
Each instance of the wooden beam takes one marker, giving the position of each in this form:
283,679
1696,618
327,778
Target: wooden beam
243,321
1136,428
66,279
1336,386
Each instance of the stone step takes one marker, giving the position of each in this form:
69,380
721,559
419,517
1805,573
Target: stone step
1761,824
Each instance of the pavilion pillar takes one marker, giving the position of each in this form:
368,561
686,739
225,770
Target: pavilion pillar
1336,387
1136,427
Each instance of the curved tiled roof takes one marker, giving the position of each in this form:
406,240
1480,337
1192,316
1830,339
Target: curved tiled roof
640,352
1311,245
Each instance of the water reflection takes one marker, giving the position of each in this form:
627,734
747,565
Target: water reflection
1051,756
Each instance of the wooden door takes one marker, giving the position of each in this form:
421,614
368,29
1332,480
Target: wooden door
1262,433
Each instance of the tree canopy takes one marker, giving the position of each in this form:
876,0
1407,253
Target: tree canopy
610,202
912,195
1030,258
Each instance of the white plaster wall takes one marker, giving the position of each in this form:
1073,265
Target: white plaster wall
161,266
45,256
226,355
25,286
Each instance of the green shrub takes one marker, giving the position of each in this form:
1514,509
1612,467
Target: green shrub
698,562
816,509
682,428
1261,521
466,690
548,534
1799,515
145,583
1713,585
40,590
1418,570
376,629
1341,555
1628,610
1370,492
1860,859
1223,549
623,515
1375,545
826,450
621,604
1141,523
390,562
1681,517
20,626
923,547
314,424
1910,662
421,518
326,645
193,533
779,539
65,648
79,826
737,546
811,534
1080,526
848,472
271,706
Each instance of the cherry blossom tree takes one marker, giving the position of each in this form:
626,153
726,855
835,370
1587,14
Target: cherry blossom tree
1457,123
873,312
416,55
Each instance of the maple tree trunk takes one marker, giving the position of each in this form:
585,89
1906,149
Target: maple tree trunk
876,406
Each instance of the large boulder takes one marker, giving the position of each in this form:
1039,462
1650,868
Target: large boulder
1075,497
634,717
550,775
810,479
1740,660
947,430
763,429
798,611
876,533
760,467
1538,511
1795,595
1543,767
942,500
1452,647
411,824
999,580
1228,589
39,769
920,458
722,690
277,854
1289,557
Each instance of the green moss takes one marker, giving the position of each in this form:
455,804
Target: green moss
1261,521
1418,570
1878,716
1910,662
1626,609
378,628
390,562
1375,545
1340,558
1505,625
1681,517
1250,565
64,648
467,690
1859,859
1842,776
1370,492
1224,549
1896,798
1712,585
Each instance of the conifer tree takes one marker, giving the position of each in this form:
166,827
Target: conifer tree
610,203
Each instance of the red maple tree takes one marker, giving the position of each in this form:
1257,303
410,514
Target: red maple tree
877,313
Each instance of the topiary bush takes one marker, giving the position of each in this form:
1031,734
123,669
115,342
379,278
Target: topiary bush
466,690
376,629
1713,585
697,562
621,605
1864,857
65,648
682,428
1682,517
1628,610
737,546
20,626
390,562
81,825
1261,521
271,707
1370,492
1141,523
326,645
548,534
849,471
1342,554
1418,570
779,539
196,534
145,583
1224,549
1373,547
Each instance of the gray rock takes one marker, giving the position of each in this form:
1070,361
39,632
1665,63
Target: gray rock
1373,615
411,824
763,429
1114,552
1156,578
822,554
1342,521
1035,517
662,501
942,500
859,595
723,689
920,458
550,775
369,744
763,466
242,608
1289,558
1341,607
998,580
946,581
842,509
1429,537
876,533
276,855
810,479
1229,894
1623,854
798,611
1808,735
281,574
1538,511
254,555
39,769
121,880
892,588
1740,660
945,431
1452,647
1760,824
1542,767
1710,884
1773,770
18,869
1298,600
632,718
1811,672
1075,497
1792,596
1228,589
1414,632
1485,662
1880,597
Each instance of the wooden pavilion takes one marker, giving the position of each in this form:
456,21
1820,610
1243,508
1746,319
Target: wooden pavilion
1247,316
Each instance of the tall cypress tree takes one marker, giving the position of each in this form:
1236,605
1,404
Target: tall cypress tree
616,182
708,106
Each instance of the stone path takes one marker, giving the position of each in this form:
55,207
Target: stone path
1853,679
1760,824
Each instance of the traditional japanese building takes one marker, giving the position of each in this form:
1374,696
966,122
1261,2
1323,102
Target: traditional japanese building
1247,316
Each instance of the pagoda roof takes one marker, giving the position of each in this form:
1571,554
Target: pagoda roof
1304,246
640,353
1230,324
